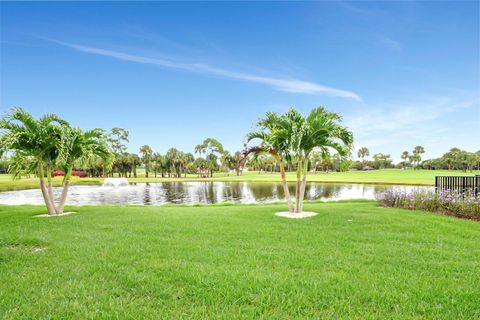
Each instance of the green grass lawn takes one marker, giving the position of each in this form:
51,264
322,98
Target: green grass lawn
353,261
386,176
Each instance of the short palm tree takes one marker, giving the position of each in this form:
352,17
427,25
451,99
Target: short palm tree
35,142
319,130
293,137
274,136
79,147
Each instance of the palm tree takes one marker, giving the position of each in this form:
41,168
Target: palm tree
35,142
78,147
405,156
316,160
320,130
362,153
237,164
177,161
188,160
158,163
212,149
294,137
417,151
273,133
135,161
146,152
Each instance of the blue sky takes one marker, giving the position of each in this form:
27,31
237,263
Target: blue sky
401,73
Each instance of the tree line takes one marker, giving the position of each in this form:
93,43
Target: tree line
454,159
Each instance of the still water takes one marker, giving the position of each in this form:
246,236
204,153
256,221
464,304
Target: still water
197,192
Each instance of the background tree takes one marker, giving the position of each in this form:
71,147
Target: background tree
158,163
237,160
362,153
315,161
416,156
117,139
405,157
212,149
146,153
381,161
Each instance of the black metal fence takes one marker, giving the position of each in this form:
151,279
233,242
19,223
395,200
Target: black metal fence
457,183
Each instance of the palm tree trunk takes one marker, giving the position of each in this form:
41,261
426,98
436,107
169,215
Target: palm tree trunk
302,188
48,201
63,197
49,184
285,187
298,186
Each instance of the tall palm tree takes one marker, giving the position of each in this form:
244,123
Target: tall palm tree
35,142
417,151
236,162
146,152
158,163
405,156
362,153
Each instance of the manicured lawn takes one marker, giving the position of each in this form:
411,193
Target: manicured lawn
387,176
353,261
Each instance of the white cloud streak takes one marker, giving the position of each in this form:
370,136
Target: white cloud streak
407,124
407,115
281,84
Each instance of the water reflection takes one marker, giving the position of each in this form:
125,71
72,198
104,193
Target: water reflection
198,192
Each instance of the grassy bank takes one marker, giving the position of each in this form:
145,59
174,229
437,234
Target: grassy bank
353,261
7,184
387,176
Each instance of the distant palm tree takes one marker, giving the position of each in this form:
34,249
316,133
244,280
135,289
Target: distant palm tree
405,156
212,149
416,156
146,152
362,153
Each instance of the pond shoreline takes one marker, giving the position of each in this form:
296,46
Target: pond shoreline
19,185
199,192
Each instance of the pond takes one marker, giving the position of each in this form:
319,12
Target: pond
197,192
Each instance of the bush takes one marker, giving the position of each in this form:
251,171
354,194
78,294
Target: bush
58,173
461,204
80,174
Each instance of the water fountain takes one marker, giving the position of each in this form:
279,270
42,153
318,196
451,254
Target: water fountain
115,182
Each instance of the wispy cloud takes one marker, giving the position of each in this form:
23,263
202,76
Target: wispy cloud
392,44
421,122
408,115
282,84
